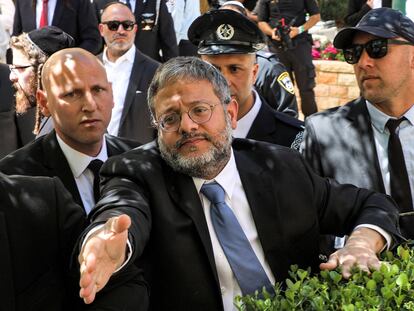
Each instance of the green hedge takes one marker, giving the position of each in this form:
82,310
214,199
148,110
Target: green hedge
333,10
390,288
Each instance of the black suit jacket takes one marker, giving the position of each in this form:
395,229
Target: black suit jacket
276,127
39,225
44,157
169,228
339,143
75,17
135,121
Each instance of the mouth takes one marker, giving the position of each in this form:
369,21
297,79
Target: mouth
90,122
190,141
368,78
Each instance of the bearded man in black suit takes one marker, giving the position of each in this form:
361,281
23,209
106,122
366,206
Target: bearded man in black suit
189,236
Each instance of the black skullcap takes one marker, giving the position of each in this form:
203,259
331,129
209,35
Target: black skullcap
51,39
382,22
225,32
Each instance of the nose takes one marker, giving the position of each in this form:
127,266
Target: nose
13,77
186,124
365,60
90,103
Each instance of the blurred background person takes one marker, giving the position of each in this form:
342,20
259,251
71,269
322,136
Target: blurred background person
358,8
6,26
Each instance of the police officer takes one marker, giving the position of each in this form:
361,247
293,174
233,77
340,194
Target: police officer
273,82
284,21
229,41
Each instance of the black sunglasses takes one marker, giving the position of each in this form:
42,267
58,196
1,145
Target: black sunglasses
114,25
376,48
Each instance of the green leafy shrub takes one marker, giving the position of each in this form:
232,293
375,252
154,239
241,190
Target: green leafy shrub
388,289
333,10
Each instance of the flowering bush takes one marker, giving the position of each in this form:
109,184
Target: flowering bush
326,51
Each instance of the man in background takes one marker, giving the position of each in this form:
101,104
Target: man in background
130,73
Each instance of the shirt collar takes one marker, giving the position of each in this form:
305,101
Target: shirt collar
379,119
129,57
225,178
79,161
245,123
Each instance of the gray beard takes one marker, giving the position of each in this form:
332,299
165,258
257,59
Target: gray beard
204,166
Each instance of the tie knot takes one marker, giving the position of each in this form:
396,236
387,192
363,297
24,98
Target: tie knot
392,124
45,1
95,166
214,192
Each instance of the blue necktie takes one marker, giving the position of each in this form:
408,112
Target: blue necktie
243,261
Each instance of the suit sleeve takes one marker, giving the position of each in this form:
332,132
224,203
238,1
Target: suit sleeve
17,22
89,37
168,39
342,207
310,148
123,192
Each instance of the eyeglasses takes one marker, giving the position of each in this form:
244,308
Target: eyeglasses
200,113
114,25
376,48
19,67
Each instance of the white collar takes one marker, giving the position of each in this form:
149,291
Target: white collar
79,161
129,57
245,123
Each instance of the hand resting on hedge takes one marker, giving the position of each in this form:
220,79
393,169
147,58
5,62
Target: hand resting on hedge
360,250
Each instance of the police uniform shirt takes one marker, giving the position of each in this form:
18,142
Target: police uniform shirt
288,9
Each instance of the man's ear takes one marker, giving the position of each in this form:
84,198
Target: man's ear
232,109
41,99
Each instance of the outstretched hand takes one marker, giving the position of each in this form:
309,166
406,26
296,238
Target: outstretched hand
101,255
360,251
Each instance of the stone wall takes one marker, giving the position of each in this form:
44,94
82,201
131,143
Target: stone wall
335,83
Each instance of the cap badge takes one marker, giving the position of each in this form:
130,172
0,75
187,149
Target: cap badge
225,32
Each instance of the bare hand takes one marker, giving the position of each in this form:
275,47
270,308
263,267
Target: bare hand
102,254
370,3
360,251
274,35
294,31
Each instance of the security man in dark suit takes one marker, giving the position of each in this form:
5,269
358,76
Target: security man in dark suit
155,27
78,97
273,81
292,44
229,41
358,8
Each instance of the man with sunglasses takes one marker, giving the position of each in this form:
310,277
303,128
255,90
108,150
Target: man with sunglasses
368,142
130,72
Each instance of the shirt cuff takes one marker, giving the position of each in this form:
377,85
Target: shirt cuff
129,251
385,235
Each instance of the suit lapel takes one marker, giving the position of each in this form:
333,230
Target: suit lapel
260,192
361,122
184,194
56,162
58,12
263,125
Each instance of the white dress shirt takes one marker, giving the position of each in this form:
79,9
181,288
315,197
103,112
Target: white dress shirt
381,136
119,73
78,163
235,198
51,5
245,123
